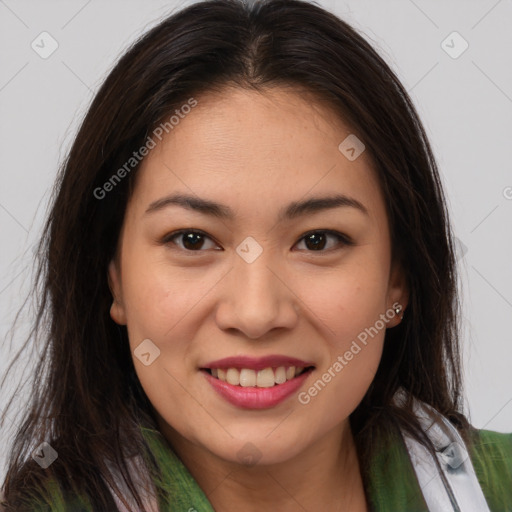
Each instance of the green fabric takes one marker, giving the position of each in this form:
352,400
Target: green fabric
392,487
492,459
185,494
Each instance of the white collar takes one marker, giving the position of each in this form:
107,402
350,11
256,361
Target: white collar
456,487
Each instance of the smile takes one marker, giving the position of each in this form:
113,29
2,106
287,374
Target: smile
257,383
266,378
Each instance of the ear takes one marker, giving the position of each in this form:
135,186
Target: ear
117,311
398,293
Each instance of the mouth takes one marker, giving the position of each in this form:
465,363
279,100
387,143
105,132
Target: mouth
264,378
257,383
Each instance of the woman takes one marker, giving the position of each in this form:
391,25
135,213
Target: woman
250,287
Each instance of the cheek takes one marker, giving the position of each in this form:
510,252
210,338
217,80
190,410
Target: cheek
350,302
158,295
349,298
160,301
355,337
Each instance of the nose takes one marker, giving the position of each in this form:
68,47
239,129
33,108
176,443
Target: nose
257,298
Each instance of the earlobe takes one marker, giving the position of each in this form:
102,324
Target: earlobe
117,312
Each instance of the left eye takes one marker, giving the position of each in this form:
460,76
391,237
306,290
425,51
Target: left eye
193,240
316,239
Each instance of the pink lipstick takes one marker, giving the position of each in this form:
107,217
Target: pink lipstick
257,383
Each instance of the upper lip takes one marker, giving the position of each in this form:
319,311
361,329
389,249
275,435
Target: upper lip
257,363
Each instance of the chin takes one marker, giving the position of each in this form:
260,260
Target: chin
257,449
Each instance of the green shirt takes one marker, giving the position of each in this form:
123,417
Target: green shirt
392,487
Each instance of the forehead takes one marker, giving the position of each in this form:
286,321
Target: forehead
278,124
244,147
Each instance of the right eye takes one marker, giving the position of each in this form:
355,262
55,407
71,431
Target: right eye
192,240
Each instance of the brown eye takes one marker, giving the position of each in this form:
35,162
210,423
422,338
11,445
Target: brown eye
195,241
317,240
191,240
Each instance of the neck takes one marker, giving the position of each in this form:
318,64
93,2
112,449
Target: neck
326,476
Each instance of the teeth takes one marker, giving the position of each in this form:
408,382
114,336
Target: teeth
233,376
265,378
280,375
247,378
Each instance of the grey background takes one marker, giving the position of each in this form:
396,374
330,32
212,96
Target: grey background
465,104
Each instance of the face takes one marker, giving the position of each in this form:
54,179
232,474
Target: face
289,303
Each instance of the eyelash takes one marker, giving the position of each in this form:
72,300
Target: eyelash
344,239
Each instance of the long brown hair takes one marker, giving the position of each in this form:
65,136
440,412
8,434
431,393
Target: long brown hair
86,396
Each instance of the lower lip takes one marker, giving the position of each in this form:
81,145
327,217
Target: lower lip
257,398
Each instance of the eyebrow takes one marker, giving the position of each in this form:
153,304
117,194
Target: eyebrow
292,211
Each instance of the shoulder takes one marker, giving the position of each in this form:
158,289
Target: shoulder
494,449
491,454
35,489
46,496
